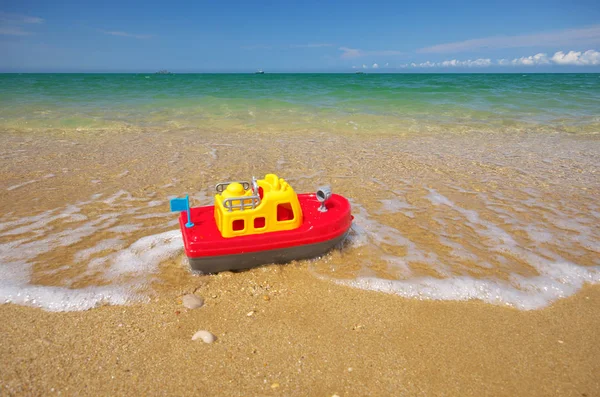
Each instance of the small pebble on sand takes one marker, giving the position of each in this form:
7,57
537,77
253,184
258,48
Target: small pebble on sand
192,301
205,336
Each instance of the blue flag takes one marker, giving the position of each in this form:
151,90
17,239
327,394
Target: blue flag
182,204
179,204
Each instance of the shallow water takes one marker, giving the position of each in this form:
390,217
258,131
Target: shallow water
507,215
292,102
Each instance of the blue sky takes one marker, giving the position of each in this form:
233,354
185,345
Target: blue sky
287,36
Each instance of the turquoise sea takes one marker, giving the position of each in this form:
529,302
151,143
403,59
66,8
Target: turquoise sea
365,102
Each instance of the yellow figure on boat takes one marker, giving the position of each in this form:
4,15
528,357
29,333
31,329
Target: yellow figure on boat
266,205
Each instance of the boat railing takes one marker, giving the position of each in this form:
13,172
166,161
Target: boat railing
241,203
223,185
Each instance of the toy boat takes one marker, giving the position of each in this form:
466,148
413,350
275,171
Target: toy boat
261,222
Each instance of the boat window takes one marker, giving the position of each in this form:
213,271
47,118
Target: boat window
259,223
238,225
285,212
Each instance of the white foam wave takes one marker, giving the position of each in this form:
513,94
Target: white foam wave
58,299
557,278
28,241
144,256
560,281
128,269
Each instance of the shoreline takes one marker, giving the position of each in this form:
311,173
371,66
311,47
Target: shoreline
281,331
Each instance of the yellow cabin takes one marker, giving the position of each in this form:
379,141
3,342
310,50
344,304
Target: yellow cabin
268,205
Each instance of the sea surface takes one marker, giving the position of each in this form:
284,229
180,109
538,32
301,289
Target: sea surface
368,102
463,186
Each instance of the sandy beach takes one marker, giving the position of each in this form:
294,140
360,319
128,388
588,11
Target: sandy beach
280,331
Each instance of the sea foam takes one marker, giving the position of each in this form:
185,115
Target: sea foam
99,232
557,278
125,270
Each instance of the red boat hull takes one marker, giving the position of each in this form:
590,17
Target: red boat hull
209,252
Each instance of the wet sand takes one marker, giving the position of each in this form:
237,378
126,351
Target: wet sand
306,335
303,337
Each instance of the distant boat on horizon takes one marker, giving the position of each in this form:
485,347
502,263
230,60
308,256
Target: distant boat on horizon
163,71
259,71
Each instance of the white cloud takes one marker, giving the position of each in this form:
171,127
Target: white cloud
590,57
566,37
453,62
427,65
577,58
125,34
349,53
537,59
13,24
481,62
375,66
386,65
